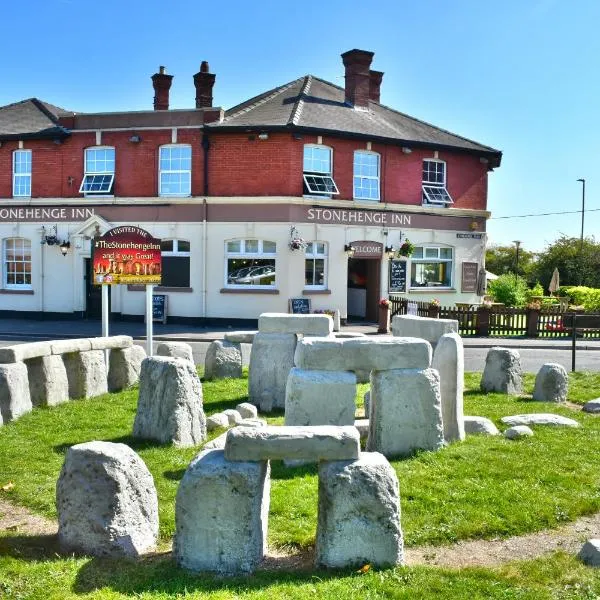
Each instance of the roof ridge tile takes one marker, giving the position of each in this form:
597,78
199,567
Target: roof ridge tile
299,105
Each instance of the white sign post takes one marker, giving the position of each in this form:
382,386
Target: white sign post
149,321
105,315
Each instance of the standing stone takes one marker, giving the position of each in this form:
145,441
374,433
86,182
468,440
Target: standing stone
449,360
175,350
223,360
221,514
48,383
551,383
320,398
359,513
106,501
14,391
367,403
169,406
271,361
406,412
86,373
124,368
502,372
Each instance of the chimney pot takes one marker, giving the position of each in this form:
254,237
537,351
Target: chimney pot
358,63
162,84
161,70
204,68
204,82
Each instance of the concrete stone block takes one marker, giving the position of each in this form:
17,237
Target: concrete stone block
240,337
175,350
233,416
48,382
124,367
106,502
271,360
422,327
517,432
449,361
339,354
313,325
216,421
86,373
315,443
14,391
223,360
247,410
363,428
481,425
111,342
170,402
406,412
551,383
221,514
68,346
320,398
590,553
21,352
359,513
540,419
502,372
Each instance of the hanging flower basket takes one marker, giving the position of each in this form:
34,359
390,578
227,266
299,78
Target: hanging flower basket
406,249
297,244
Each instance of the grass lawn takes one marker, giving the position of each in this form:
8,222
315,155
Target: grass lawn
480,488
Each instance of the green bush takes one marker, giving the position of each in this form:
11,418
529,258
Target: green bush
536,290
580,295
509,289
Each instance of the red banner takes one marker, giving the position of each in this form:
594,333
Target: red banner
126,254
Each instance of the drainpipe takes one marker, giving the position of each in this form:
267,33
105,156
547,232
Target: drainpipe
204,250
206,147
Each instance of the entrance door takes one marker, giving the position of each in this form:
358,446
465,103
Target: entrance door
93,294
363,289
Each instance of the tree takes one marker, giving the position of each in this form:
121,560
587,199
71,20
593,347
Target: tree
503,259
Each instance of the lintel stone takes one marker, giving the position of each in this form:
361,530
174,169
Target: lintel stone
313,325
19,352
68,346
427,328
112,342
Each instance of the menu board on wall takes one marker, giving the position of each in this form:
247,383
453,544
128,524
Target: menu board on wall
299,306
469,277
398,275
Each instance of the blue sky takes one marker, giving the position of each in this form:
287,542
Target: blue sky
520,76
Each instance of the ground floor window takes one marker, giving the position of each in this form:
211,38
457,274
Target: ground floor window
17,263
175,263
250,263
431,267
315,265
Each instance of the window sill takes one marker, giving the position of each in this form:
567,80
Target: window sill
311,292
430,290
159,288
10,291
247,291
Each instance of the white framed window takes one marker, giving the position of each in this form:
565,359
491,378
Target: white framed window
22,173
432,267
434,183
175,263
366,175
175,170
99,171
315,266
17,263
317,171
250,263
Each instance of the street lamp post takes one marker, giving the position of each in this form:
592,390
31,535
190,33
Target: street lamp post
517,243
582,213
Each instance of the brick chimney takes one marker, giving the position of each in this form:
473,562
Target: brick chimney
375,78
358,79
204,82
162,84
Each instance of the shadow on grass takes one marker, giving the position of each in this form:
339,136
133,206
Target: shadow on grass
280,471
31,547
174,475
214,407
134,443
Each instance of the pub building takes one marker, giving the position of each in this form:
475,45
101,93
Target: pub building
308,190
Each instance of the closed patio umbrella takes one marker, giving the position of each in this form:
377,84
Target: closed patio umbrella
481,282
554,282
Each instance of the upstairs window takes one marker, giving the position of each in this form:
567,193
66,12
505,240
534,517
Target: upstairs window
22,173
250,263
315,265
366,176
99,170
175,263
317,175
434,183
431,267
17,263
175,170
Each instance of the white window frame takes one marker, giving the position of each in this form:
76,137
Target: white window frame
178,254
243,254
87,173
185,194
437,259
312,256
369,177
5,271
426,185
23,175
319,173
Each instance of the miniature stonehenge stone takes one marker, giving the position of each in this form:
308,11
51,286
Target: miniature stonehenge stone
481,425
86,373
359,513
427,328
71,345
592,406
363,427
551,383
449,361
540,419
124,366
320,442
14,391
247,410
590,553
169,406
502,372
223,360
518,432
175,350
48,382
221,514
313,325
271,360
240,337
320,398
233,416
406,412
339,354
215,421
112,342
20,352
106,501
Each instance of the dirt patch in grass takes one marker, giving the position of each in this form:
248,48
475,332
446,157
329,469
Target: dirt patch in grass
19,519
